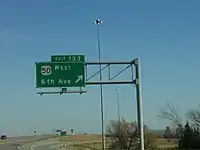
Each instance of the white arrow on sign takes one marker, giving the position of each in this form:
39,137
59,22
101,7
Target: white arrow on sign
80,78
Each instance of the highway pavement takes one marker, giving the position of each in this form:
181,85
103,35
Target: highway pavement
55,145
8,147
51,147
51,144
36,143
15,143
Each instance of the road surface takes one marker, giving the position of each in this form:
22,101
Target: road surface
51,144
14,143
8,147
51,147
11,144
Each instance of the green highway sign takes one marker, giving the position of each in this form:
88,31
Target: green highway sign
68,58
60,74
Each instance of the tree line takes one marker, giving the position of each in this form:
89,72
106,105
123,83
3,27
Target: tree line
125,135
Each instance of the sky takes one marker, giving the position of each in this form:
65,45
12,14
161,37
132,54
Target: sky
163,34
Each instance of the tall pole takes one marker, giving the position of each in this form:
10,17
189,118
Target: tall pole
139,102
118,110
98,22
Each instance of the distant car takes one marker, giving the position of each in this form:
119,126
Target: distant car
3,137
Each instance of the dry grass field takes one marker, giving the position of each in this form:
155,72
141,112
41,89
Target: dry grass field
81,138
167,143
92,146
93,141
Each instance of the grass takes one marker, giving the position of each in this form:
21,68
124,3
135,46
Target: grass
81,138
93,141
91,145
166,143
98,146
161,143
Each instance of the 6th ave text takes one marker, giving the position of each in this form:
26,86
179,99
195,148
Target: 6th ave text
57,82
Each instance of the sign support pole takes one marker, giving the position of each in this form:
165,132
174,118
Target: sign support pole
139,102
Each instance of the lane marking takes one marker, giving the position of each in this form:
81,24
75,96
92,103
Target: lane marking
19,148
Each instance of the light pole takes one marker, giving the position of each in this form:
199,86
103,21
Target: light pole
118,110
98,22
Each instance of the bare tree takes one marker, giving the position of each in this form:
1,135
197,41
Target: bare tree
171,114
124,134
194,117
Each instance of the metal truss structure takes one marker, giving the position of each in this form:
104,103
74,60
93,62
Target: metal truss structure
108,64
105,65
